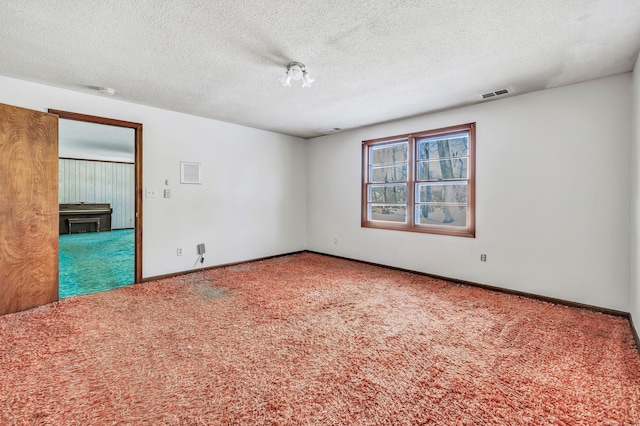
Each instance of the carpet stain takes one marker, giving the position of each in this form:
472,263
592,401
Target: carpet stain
210,292
315,340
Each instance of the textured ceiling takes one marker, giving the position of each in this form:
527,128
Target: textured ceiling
373,60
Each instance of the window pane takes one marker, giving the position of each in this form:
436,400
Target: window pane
445,146
388,173
389,213
388,193
440,214
439,192
396,152
456,168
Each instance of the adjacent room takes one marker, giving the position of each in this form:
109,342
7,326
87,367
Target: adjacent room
96,175
384,212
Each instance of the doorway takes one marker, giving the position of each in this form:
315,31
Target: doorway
102,159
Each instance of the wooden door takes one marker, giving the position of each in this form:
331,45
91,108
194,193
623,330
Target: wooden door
28,208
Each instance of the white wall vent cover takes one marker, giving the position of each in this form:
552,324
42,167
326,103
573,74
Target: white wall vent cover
190,172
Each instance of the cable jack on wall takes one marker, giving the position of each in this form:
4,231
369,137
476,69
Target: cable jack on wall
201,252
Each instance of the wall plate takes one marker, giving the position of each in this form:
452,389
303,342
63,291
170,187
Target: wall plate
190,172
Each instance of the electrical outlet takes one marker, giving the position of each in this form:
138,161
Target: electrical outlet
167,193
483,257
179,251
150,193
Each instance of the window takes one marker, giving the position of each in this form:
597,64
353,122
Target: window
422,182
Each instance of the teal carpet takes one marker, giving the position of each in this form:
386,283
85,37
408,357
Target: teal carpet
95,261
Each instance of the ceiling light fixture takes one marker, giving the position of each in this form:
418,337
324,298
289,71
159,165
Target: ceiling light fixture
296,71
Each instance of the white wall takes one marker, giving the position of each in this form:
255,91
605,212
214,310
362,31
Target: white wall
552,196
634,307
252,202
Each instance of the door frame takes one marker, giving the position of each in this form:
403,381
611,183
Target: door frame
137,127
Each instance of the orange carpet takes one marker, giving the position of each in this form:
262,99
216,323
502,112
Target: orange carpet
312,340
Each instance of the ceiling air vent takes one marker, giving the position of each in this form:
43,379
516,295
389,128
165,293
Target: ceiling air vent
494,94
